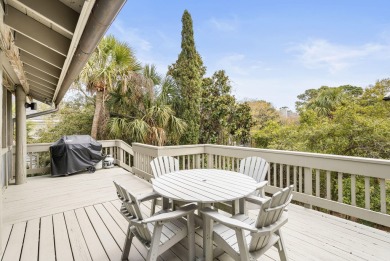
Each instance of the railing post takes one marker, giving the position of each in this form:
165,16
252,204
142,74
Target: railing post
308,183
119,151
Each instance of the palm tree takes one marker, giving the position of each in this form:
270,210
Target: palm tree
143,113
327,101
111,63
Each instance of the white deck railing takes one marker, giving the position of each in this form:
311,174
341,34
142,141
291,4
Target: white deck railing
318,179
331,182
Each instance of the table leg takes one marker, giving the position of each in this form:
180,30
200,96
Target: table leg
165,203
235,207
242,206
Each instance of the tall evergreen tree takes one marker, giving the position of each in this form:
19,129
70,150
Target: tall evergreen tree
188,72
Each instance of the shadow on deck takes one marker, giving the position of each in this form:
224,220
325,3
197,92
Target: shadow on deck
77,218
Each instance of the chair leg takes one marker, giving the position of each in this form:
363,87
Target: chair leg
208,225
191,237
127,245
242,245
155,243
281,247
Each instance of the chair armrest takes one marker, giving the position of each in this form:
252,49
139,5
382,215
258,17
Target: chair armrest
183,211
148,196
227,221
261,185
256,199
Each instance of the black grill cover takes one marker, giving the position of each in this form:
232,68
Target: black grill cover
74,153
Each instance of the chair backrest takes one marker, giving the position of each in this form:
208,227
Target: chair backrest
163,165
254,167
269,213
133,212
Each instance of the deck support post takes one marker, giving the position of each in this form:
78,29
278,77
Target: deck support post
10,138
21,137
2,105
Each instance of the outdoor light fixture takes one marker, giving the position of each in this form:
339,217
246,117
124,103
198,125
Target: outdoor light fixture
33,106
387,97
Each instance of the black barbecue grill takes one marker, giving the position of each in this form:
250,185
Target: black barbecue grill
74,153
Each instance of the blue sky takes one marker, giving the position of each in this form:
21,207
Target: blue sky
271,50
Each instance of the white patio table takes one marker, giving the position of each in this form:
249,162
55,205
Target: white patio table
205,186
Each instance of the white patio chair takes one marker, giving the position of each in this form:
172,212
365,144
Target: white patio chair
244,238
256,168
161,166
159,232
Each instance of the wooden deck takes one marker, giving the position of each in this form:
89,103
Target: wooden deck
77,218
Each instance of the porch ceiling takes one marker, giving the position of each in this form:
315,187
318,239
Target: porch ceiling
45,35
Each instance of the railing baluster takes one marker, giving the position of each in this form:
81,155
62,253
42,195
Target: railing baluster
317,182
382,186
295,177
31,160
129,159
275,179
300,179
340,188
193,161
308,181
353,190
288,175
328,179
37,158
367,192
281,175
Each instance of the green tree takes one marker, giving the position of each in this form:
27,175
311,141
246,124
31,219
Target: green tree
188,72
74,118
217,108
242,123
263,112
143,114
344,121
111,62
325,99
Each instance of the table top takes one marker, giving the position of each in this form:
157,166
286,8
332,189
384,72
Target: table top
204,185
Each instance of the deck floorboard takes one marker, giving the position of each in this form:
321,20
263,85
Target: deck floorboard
77,218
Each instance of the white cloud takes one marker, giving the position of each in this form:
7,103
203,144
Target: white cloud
233,63
319,53
225,25
131,36
239,64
